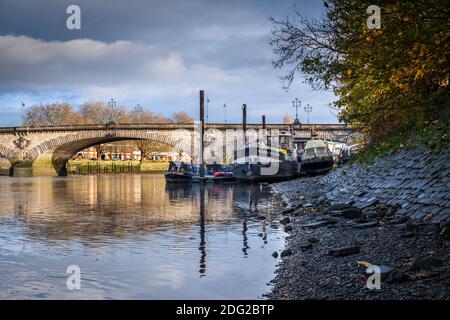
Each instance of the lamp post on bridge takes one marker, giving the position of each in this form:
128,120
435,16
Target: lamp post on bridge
296,104
207,109
308,109
111,105
225,107
138,109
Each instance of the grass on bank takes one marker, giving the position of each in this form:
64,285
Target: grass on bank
94,166
435,135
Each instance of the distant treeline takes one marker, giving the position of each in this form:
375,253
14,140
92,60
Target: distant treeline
94,112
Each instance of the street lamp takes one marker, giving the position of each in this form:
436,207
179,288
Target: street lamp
207,105
308,109
296,104
138,109
111,105
22,108
225,107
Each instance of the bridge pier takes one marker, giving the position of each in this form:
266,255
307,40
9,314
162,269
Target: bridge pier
46,166
21,169
42,166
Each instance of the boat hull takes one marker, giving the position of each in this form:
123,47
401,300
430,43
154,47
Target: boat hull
210,178
317,165
176,177
253,172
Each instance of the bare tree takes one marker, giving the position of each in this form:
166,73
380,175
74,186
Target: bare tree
94,112
98,112
52,114
306,45
182,117
118,115
144,116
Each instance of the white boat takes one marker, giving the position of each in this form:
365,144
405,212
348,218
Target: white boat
316,158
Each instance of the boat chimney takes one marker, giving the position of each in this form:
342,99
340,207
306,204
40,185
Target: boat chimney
244,120
244,117
202,131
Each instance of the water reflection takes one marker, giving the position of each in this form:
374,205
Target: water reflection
202,246
139,226
254,193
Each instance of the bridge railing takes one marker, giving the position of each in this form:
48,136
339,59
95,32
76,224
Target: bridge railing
173,126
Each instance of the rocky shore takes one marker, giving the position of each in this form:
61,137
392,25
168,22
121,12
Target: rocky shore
394,214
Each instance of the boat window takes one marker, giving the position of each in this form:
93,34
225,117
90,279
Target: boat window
321,152
309,152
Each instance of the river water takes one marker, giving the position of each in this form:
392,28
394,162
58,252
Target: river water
136,237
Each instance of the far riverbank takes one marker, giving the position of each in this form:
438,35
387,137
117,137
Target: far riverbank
97,167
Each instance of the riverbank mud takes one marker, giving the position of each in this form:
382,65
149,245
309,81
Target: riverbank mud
393,214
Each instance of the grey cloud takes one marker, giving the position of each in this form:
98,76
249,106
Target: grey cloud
154,52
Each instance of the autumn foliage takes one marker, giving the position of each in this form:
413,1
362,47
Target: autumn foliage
387,80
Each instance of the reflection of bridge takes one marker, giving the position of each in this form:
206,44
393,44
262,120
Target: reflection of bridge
45,150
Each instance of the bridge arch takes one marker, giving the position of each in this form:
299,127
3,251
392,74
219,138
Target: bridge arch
50,157
8,153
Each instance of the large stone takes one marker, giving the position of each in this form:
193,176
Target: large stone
287,211
397,276
445,233
400,220
366,225
426,263
315,224
313,239
338,207
384,270
286,253
344,251
306,246
351,213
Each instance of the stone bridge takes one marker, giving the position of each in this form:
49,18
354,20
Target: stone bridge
45,150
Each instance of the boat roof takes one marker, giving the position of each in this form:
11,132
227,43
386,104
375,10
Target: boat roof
315,144
263,146
256,159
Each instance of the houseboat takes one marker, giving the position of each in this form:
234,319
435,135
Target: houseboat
262,163
181,172
316,158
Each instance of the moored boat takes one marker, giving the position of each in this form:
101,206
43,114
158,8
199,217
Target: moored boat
265,165
316,158
223,174
181,172
217,173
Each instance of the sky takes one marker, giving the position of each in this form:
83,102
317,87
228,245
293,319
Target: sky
157,54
